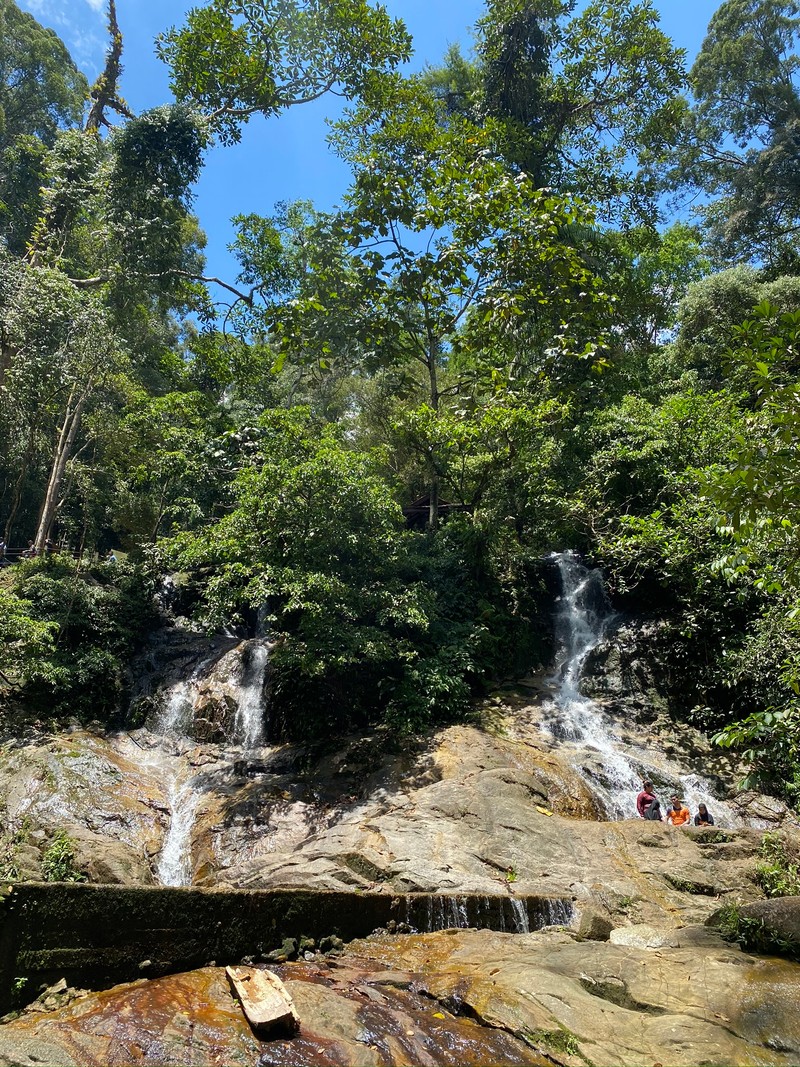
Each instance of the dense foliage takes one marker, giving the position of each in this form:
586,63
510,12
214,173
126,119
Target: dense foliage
499,345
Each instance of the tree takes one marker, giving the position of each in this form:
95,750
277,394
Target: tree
234,58
712,309
41,92
23,638
745,130
558,88
114,214
448,263
41,89
760,491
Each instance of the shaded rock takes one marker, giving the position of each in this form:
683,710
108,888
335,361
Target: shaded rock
594,925
780,916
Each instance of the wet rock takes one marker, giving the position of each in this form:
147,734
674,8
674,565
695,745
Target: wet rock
191,1019
333,945
698,1002
288,951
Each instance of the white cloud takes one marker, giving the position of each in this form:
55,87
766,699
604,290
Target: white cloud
81,28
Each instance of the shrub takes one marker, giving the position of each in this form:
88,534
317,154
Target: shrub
58,862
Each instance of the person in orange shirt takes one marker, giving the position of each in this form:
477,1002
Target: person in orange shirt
678,814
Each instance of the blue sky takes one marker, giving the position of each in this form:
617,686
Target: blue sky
284,158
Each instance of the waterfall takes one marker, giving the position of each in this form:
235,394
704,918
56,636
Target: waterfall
519,909
173,724
240,676
176,714
175,860
249,722
586,732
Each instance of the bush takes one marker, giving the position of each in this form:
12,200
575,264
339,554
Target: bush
97,616
58,862
778,875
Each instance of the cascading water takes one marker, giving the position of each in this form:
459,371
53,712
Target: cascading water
249,722
174,865
182,793
579,724
175,860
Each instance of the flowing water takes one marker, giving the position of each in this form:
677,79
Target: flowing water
611,766
182,789
249,722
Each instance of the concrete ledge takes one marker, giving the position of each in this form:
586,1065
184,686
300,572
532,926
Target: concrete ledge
98,935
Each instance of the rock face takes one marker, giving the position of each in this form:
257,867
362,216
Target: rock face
507,810
490,814
465,810
467,997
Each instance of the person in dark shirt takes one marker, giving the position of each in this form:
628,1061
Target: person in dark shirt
653,811
703,816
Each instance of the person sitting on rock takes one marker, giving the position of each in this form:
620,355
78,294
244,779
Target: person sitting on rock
678,814
645,798
653,811
703,816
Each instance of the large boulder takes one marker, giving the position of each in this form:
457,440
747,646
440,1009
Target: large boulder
780,920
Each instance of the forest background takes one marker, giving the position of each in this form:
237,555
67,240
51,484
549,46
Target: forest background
557,306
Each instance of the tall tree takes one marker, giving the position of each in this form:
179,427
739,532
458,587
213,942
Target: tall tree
446,263
745,131
237,58
560,88
41,91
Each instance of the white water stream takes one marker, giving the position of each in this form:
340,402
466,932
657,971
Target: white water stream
182,791
592,739
249,722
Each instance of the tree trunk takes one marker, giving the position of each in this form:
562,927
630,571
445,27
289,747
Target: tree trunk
433,507
66,441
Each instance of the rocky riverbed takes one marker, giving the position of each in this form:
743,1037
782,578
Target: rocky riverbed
455,997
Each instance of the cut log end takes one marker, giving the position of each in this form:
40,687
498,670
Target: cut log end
265,1000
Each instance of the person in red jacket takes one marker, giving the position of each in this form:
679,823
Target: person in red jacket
645,798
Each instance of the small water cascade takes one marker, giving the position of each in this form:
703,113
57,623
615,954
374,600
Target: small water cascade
613,769
244,683
249,721
519,910
428,912
175,860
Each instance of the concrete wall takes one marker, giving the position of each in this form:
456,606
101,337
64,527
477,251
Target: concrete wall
96,935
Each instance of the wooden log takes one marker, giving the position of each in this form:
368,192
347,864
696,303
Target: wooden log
264,999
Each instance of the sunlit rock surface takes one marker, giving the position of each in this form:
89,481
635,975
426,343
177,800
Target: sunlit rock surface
464,811
461,998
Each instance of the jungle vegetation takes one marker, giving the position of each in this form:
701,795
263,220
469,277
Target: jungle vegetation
558,306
